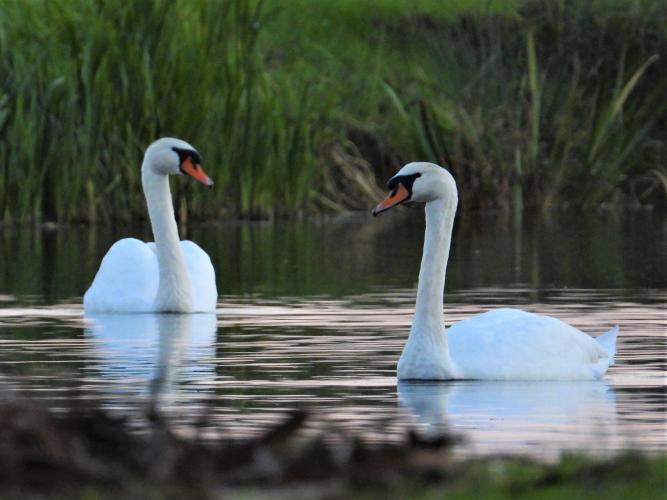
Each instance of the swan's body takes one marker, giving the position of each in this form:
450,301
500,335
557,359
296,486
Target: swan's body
166,276
507,344
128,278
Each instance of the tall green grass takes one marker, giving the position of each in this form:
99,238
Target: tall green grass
562,105
85,85
308,106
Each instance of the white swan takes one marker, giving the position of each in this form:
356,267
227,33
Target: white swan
505,344
166,276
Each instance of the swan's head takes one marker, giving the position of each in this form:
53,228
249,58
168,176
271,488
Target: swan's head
420,182
173,156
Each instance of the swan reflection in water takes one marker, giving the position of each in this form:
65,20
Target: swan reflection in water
547,418
166,355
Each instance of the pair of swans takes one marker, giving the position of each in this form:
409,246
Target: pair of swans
510,344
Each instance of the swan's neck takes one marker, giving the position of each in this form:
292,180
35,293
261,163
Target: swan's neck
427,333
429,316
174,290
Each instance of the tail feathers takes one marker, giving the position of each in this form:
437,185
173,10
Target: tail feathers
608,342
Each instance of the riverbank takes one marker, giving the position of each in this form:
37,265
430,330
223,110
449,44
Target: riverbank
308,107
88,453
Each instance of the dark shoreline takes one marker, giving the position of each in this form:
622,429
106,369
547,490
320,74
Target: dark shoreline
87,453
349,215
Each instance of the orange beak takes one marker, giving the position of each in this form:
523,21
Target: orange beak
195,171
398,195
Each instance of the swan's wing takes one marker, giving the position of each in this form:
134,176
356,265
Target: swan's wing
126,281
514,344
202,277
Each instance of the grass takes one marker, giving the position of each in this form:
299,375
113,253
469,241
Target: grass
536,104
538,123
573,477
94,82
307,106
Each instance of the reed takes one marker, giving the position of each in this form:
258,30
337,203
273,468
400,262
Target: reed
509,94
86,85
538,123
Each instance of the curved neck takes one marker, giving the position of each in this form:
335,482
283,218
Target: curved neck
174,290
429,320
431,288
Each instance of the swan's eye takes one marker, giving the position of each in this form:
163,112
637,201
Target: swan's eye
196,158
184,154
406,180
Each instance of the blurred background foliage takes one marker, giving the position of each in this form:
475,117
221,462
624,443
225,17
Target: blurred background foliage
302,106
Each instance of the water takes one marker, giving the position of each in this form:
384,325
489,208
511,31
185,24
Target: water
315,314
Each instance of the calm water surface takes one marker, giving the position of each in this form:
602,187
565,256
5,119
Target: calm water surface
315,314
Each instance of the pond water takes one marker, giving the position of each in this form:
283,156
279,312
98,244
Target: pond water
314,314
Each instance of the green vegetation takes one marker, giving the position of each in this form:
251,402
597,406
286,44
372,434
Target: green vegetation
88,84
574,478
306,106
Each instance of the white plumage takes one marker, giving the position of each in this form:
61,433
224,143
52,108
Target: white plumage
166,276
128,277
510,344
502,344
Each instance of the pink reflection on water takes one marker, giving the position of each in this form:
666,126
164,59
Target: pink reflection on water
337,358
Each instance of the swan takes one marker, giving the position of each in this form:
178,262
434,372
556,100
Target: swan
501,344
168,275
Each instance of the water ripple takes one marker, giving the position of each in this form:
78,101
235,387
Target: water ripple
242,368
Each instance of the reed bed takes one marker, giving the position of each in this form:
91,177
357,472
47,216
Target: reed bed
87,84
562,106
309,106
